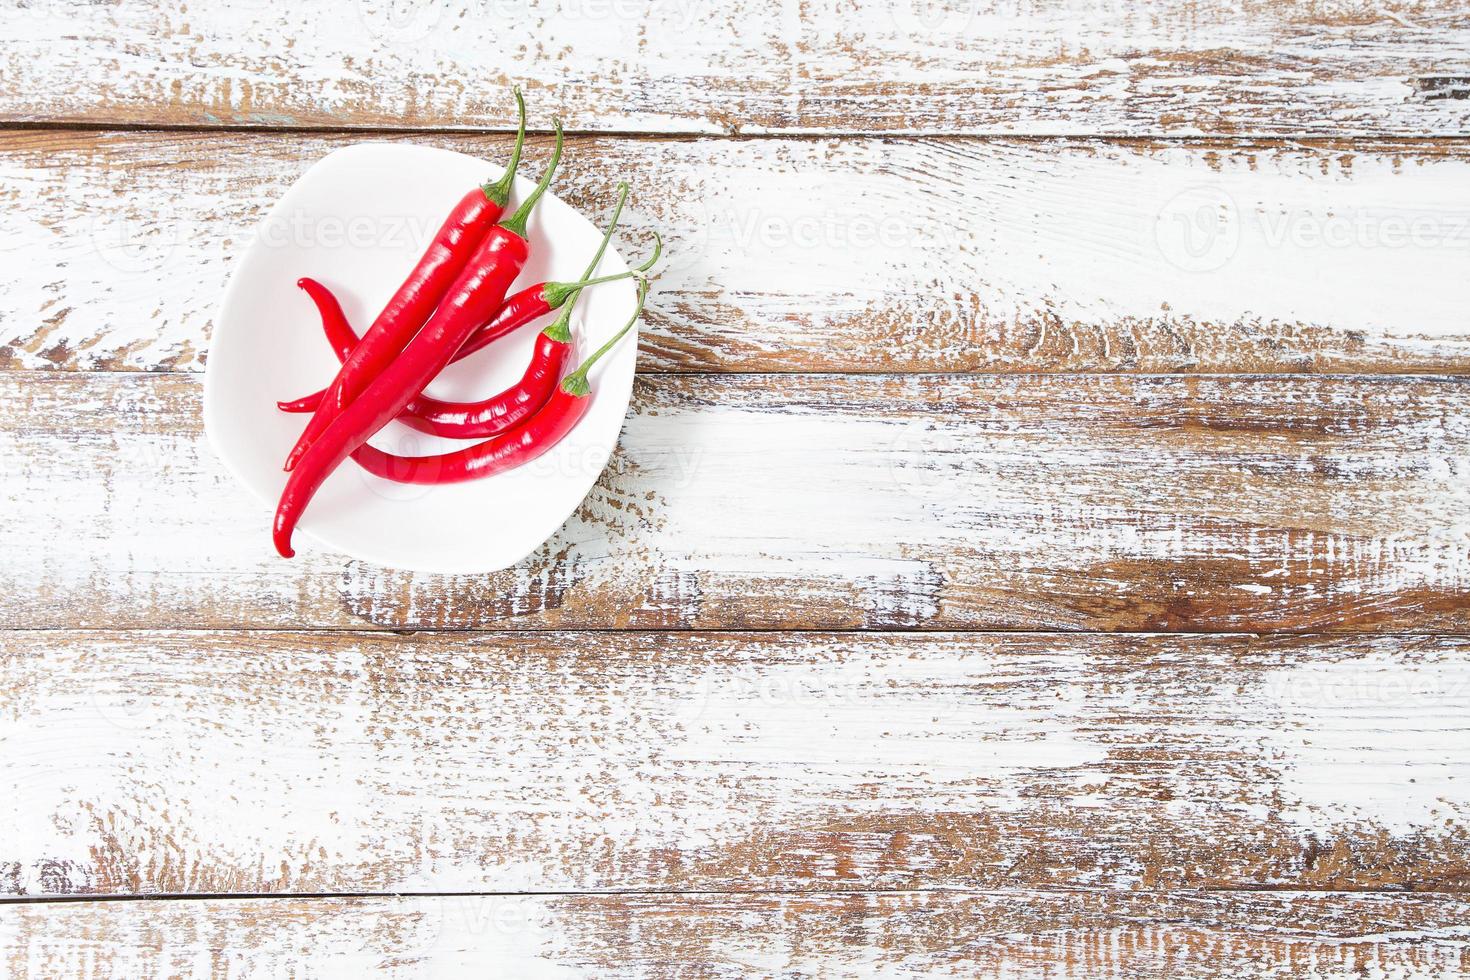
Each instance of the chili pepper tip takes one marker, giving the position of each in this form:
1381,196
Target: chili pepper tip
281,537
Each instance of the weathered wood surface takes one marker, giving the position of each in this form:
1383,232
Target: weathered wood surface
1013,502
826,255
1092,935
788,803
193,763
1285,67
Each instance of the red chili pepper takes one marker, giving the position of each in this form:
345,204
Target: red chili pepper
440,265
546,298
518,310
498,413
475,294
334,322
493,415
506,451
306,403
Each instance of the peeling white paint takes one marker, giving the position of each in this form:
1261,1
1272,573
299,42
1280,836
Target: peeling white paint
1072,66
1374,740
758,501
159,761
952,933
840,254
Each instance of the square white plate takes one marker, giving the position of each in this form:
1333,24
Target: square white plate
358,221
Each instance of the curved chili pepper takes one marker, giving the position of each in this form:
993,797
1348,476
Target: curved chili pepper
510,449
518,310
306,403
334,322
440,265
475,294
498,413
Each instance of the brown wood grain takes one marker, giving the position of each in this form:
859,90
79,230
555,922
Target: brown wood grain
144,762
1094,935
1067,66
1010,502
846,255
1060,187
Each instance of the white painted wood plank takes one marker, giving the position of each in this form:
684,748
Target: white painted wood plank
845,255
1026,502
1092,935
146,762
977,66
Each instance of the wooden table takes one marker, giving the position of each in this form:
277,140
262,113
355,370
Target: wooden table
1039,543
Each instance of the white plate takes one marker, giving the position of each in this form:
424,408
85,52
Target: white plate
358,221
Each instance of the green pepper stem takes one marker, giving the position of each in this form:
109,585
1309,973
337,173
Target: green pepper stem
658,249
557,293
498,192
607,235
516,223
560,328
576,383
